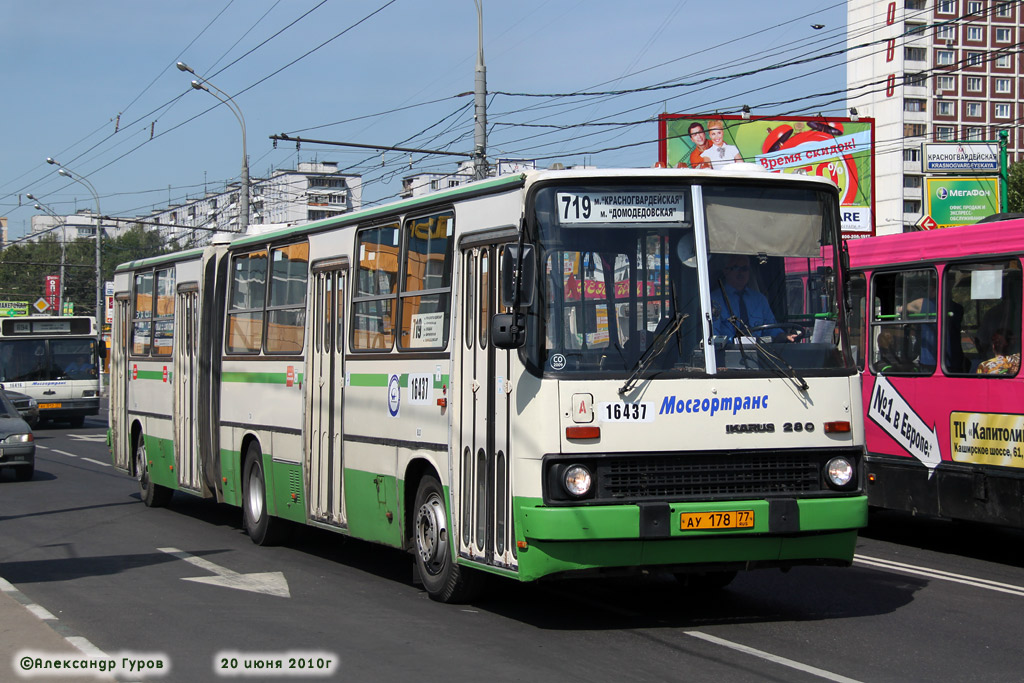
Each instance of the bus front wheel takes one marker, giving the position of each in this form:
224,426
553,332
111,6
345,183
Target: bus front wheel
262,528
153,495
443,579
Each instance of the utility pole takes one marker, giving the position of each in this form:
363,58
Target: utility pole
1004,173
480,96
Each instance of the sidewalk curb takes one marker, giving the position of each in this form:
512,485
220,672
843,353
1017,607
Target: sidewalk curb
28,627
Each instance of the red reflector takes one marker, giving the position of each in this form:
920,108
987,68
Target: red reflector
443,402
834,427
583,432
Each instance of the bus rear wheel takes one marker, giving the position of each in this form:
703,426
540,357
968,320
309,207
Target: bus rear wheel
443,579
262,528
153,495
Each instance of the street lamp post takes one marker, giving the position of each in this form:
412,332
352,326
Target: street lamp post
203,84
39,206
99,233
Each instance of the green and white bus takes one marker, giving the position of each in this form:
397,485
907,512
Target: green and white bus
56,361
523,376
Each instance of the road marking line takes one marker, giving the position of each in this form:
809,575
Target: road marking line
40,611
806,668
97,462
939,574
70,455
88,437
78,642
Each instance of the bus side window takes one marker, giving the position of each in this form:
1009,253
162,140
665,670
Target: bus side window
376,285
904,322
990,296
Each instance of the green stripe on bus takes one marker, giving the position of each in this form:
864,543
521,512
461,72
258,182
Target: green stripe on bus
151,374
260,377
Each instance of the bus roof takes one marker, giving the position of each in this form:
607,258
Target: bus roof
945,243
491,185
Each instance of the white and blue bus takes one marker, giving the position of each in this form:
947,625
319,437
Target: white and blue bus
56,361
525,376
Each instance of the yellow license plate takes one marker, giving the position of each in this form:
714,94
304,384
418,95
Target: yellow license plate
703,521
44,406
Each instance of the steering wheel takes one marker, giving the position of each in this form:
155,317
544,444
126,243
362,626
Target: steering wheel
802,330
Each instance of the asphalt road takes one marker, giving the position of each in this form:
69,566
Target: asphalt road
925,600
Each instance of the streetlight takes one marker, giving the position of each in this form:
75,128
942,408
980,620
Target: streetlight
201,84
99,232
39,206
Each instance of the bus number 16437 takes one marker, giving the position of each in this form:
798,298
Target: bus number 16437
626,412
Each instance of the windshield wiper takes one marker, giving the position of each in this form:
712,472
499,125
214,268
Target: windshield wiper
658,345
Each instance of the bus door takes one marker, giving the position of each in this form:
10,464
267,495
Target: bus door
186,388
481,467
324,385
119,378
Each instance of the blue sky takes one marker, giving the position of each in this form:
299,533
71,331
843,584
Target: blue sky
75,69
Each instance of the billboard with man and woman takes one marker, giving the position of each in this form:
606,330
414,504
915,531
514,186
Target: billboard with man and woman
836,148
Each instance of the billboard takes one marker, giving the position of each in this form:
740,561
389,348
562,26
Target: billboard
837,148
961,157
961,201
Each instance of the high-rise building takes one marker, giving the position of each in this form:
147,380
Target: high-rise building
931,71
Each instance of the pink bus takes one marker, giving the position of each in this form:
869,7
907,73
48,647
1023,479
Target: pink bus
937,329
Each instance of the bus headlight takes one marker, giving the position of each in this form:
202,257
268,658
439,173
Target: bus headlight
839,472
577,480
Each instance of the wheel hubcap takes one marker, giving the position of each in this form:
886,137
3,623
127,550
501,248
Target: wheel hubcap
432,533
255,496
141,474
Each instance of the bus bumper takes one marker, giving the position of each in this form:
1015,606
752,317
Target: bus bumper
786,533
990,495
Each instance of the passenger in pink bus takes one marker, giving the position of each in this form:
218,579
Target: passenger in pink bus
1005,315
887,353
1004,362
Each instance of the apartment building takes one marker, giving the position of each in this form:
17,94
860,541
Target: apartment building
931,71
313,191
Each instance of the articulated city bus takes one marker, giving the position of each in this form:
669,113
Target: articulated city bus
937,330
534,375
54,360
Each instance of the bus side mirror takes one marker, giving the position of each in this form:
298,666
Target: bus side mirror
526,280
508,330
102,349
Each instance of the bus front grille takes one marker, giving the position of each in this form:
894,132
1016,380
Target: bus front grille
707,477
620,478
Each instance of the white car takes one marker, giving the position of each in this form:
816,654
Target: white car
17,443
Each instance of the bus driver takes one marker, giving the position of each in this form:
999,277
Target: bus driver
746,303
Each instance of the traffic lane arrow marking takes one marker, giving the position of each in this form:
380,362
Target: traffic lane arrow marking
271,583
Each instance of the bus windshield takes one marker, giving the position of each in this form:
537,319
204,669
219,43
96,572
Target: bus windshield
41,360
620,265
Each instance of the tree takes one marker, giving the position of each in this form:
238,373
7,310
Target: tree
25,266
1015,191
